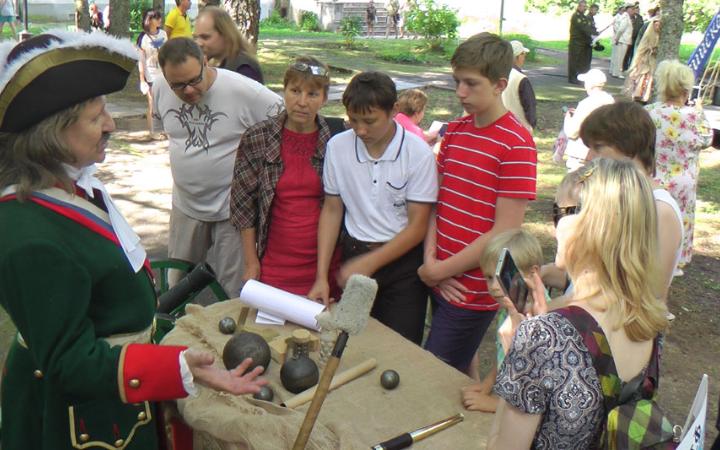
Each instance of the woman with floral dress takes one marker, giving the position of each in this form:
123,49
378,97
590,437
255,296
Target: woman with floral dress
682,131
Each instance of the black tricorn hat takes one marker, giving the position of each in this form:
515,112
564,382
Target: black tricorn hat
54,71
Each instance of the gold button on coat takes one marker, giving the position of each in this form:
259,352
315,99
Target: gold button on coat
84,437
142,415
134,383
38,373
119,443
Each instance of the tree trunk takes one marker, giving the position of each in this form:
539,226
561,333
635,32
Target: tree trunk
672,29
246,14
119,18
82,15
204,3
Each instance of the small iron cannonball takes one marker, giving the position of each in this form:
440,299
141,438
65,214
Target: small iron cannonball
227,325
266,393
389,379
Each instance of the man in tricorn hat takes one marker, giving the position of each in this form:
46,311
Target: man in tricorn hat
74,277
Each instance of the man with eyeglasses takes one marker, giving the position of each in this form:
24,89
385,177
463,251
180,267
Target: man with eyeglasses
205,111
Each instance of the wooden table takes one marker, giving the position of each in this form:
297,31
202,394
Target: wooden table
429,389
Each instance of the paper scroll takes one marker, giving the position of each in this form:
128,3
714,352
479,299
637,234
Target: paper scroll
273,304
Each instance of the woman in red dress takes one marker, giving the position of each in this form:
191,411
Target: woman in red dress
277,190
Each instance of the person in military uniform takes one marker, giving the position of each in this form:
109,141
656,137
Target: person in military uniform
74,277
579,46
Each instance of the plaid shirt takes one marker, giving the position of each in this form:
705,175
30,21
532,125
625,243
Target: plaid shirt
258,167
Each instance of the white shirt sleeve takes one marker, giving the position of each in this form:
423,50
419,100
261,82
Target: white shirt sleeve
266,104
329,171
187,376
423,181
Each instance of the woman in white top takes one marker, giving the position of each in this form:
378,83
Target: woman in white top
149,43
624,130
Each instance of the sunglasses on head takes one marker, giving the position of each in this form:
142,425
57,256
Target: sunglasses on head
561,211
313,69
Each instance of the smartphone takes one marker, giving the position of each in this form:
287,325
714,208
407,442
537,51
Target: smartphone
442,130
512,282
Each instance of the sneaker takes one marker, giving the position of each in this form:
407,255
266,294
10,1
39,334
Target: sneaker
678,272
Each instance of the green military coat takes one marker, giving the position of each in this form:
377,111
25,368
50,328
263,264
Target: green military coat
68,288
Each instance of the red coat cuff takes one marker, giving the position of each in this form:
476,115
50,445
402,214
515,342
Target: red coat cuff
149,372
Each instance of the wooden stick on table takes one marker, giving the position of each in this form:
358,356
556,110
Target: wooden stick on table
337,381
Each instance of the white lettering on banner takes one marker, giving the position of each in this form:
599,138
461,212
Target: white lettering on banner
700,55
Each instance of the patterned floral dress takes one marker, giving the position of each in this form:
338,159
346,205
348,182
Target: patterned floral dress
681,133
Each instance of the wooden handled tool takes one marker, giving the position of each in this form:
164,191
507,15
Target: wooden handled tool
350,316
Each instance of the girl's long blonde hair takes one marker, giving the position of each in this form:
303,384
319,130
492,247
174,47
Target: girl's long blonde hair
613,253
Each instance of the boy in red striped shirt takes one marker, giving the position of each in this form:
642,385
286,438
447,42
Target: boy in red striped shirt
487,169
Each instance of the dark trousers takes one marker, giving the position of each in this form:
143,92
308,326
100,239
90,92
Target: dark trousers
456,333
401,299
579,60
628,57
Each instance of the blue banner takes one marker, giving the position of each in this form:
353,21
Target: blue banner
702,52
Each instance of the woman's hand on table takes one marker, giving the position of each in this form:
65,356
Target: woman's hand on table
230,381
320,292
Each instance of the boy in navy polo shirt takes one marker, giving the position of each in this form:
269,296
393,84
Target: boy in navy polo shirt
487,166
380,185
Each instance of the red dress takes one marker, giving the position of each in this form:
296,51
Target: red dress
290,259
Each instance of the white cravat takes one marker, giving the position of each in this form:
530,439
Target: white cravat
129,241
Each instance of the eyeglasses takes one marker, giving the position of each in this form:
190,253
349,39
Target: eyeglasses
561,211
313,69
194,82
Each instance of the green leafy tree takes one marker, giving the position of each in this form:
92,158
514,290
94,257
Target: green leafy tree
137,9
697,14
309,21
351,28
433,22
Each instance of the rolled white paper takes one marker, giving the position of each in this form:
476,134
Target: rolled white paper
281,304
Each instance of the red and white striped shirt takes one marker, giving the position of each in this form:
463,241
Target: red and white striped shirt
478,165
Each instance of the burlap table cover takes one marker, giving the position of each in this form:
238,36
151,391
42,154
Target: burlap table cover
356,415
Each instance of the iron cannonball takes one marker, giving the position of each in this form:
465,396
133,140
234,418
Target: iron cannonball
246,345
389,379
299,373
227,325
266,393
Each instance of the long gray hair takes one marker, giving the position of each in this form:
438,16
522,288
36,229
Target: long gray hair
32,159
